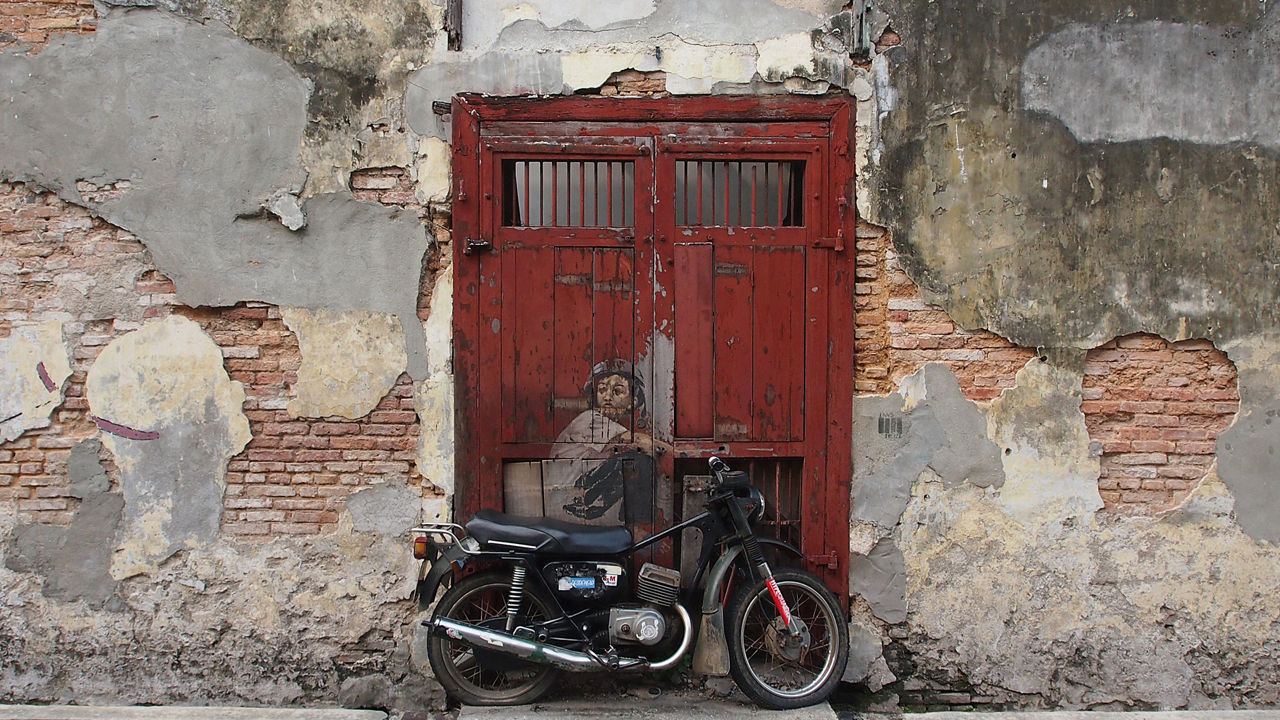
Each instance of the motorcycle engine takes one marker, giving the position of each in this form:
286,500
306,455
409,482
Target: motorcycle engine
642,625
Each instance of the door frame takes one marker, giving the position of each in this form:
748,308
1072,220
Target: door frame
470,195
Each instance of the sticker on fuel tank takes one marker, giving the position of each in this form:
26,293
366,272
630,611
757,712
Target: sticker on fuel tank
577,583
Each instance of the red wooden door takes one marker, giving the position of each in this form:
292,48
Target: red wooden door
642,293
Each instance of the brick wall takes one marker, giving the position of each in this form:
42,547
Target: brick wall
295,473
42,239
1156,407
33,23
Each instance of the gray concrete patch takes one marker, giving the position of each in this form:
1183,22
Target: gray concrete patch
75,561
1247,450
896,439
85,470
880,577
195,164
1235,96
387,509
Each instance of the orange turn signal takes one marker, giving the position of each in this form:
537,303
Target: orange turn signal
420,548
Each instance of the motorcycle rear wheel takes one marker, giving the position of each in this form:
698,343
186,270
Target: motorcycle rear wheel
473,600
774,668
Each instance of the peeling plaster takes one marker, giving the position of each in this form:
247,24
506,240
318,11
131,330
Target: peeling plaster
167,379
33,367
120,105
283,622
433,397
1011,224
350,361
1132,613
1023,591
435,171
708,46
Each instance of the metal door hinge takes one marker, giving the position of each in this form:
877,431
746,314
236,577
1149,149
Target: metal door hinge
474,246
836,243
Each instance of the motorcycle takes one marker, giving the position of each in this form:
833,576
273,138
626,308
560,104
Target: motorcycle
531,597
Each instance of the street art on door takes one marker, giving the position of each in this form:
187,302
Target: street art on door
608,448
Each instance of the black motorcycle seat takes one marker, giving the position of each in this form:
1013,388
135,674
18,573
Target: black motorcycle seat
547,535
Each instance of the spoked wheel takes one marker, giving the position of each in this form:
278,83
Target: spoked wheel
783,668
488,678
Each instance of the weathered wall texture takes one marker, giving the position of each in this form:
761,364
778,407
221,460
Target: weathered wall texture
225,317
1094,183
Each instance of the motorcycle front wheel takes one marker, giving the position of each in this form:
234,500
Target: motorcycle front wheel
492,680
781,668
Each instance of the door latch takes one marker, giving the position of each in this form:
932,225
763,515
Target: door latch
828,559
474,246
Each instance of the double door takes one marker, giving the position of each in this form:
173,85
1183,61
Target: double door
633,297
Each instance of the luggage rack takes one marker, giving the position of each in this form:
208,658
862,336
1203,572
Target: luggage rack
449,533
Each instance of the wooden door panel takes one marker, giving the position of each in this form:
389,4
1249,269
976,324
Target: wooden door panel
527,330
733,314
692,284
778,344
574,331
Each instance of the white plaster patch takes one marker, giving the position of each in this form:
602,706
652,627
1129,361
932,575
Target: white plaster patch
439,325
33,366
433,400
484,21
592,68
172,418
435,162
1050,473
720,63
350,360
786,56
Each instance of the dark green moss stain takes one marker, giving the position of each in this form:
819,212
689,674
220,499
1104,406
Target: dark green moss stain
1056,243
337,52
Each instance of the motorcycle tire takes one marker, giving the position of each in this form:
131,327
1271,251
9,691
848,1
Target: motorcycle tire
466,678
773,667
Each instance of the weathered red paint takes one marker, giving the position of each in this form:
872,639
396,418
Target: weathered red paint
759,318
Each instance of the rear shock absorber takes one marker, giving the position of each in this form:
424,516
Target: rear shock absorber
515,596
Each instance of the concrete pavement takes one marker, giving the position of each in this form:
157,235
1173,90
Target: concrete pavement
170,712
625,706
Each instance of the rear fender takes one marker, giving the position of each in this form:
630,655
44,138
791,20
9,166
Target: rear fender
433,572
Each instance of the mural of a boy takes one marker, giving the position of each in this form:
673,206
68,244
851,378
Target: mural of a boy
612,455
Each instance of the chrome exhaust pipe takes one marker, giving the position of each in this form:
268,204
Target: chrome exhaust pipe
542,653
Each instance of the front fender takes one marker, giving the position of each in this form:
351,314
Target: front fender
711,657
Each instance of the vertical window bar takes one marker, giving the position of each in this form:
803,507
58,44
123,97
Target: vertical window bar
629,193
581,194
699,173
609,219
525,216
555,194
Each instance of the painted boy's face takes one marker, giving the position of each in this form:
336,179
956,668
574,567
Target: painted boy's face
613,397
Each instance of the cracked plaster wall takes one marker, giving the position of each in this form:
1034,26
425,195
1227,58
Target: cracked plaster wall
1062,174
1006,576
